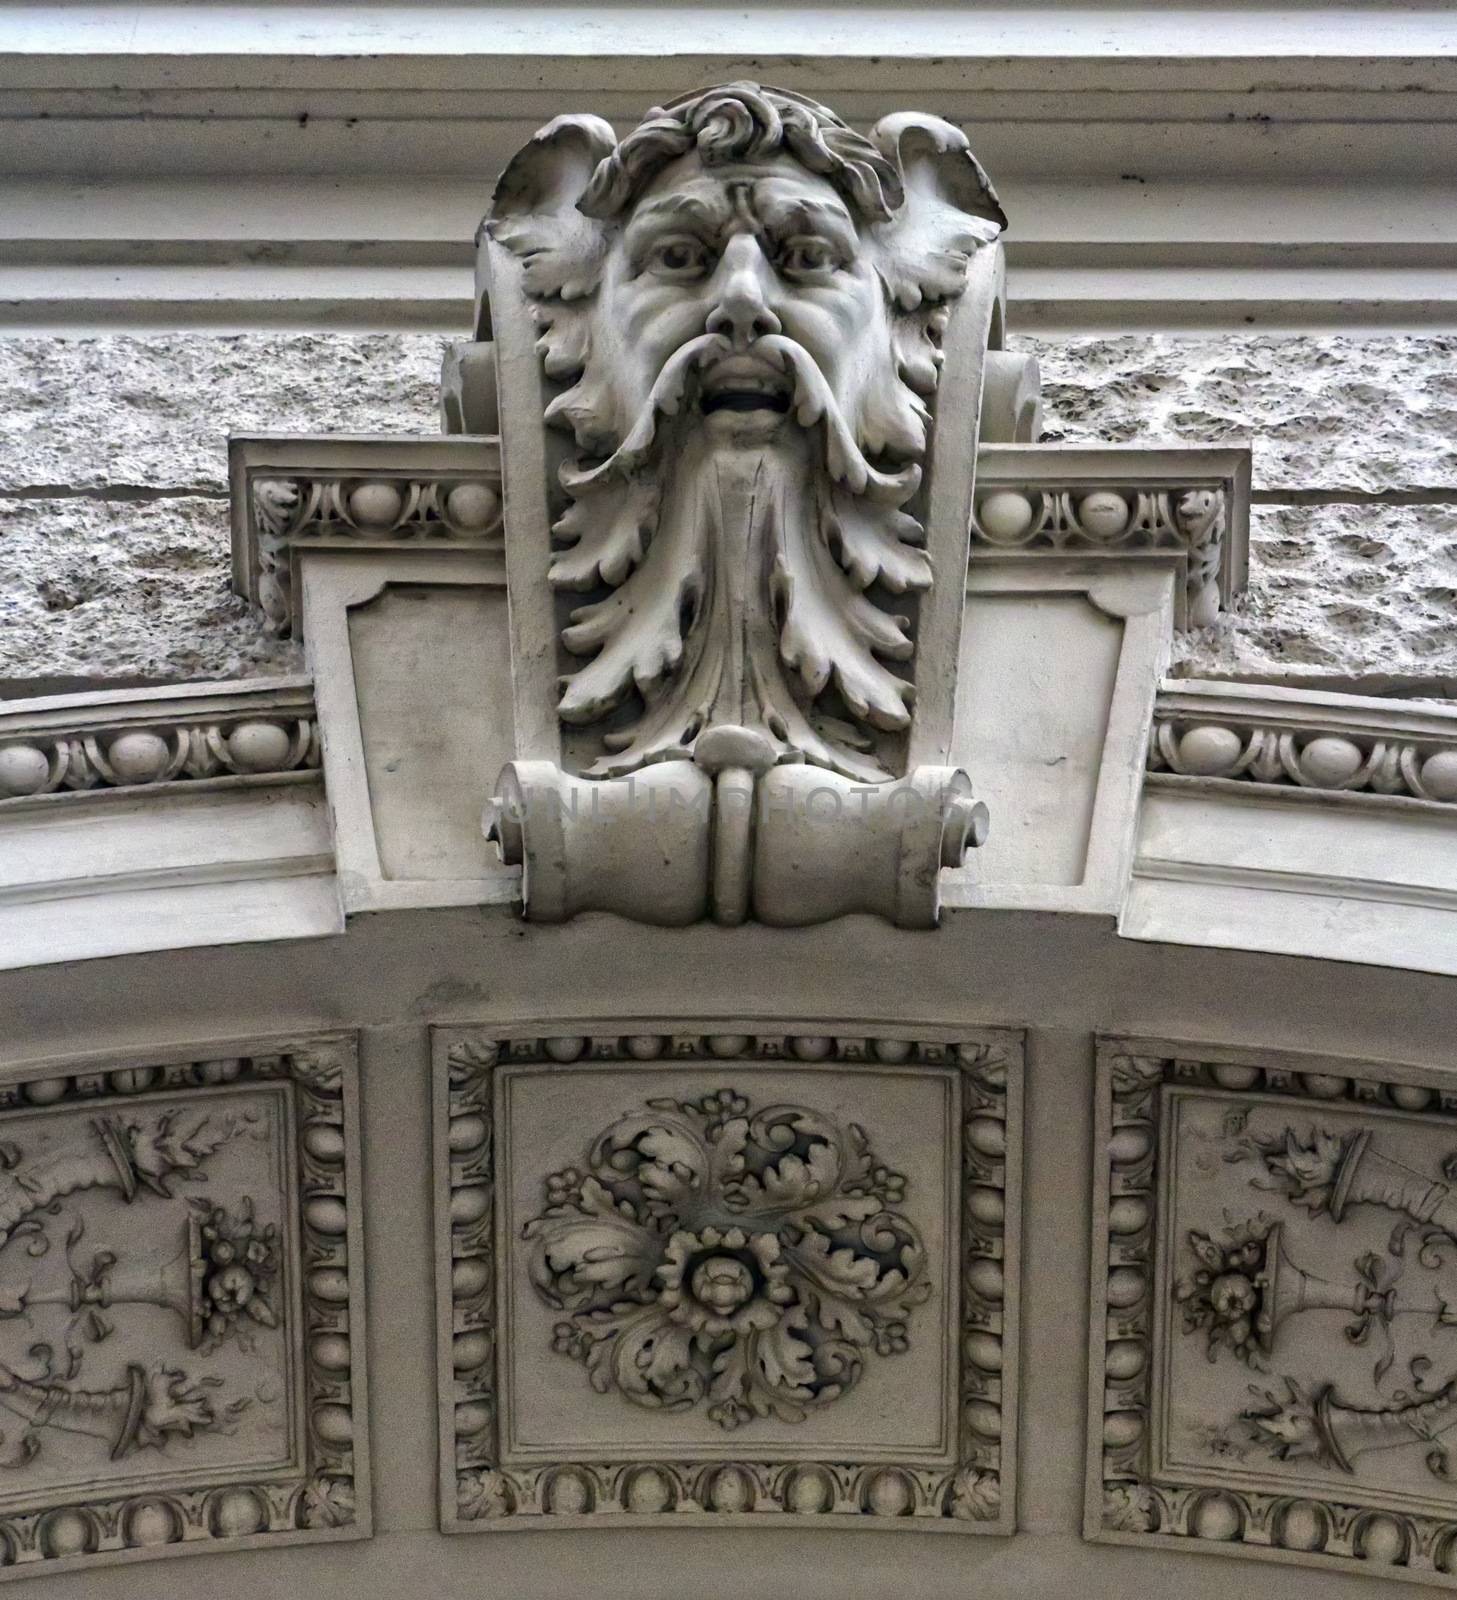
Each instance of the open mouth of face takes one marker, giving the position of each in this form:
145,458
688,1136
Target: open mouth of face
745,383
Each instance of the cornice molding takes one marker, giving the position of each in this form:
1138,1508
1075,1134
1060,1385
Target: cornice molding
319,43
356,493
1356,747
58,746
362,126
1188,501
1096,501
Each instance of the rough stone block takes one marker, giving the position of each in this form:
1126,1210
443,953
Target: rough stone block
125,589
1323,411
1344,590
155,410
114,560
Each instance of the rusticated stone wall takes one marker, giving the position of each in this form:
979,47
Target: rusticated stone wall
113,488
1353,536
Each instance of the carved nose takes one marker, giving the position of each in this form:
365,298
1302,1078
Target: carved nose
741,312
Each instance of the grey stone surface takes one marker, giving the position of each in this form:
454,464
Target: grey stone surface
114,548
1350,591
155,411
124,590
1329,411
114,558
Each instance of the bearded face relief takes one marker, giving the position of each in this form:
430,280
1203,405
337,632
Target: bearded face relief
740,266
741,307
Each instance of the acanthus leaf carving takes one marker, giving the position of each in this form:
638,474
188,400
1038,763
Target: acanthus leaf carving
729,1263
726,495
744,309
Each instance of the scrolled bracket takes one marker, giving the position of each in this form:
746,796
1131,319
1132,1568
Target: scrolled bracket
732,837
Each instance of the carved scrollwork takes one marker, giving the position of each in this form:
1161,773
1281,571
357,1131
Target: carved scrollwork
140,1317
723,1256
1316,1229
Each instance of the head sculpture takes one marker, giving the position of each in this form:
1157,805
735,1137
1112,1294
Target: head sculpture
741,307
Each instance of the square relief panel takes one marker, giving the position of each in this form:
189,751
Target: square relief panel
707,1274
1275,1319
180,1338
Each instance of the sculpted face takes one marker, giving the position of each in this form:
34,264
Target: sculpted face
743,252
740,307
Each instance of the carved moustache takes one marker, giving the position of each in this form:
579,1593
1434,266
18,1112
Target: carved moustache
808,396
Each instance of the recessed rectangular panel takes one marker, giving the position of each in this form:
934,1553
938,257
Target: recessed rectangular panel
180,1350
711,1273
1037,678
1275,1333
432,758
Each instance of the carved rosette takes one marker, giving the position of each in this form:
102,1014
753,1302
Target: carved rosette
732,1260
249,1334
757,1258
1285,1219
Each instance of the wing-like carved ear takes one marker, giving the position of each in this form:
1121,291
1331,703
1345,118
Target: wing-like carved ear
950,208
534,209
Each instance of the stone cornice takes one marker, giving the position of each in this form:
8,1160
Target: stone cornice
326,43
359,493
1190,502
1097,501
1355,746
345,137
130,739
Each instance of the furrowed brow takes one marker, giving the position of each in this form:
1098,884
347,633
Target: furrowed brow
806,214
687,210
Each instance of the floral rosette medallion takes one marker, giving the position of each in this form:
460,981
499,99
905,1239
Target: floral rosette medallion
711,1252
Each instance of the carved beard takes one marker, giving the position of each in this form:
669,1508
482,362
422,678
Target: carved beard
744,576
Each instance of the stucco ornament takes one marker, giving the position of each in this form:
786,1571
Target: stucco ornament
742,313
711,1252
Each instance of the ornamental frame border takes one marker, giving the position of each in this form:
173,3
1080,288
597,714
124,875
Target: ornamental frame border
323,1068
1130,1072
323,460
476,1049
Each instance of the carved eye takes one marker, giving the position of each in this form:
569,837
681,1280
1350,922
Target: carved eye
806,256
681,259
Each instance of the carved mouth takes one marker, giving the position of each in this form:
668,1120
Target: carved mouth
745,383
745,400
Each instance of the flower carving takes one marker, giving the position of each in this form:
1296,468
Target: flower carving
1227,1291
711,1252
238,1265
